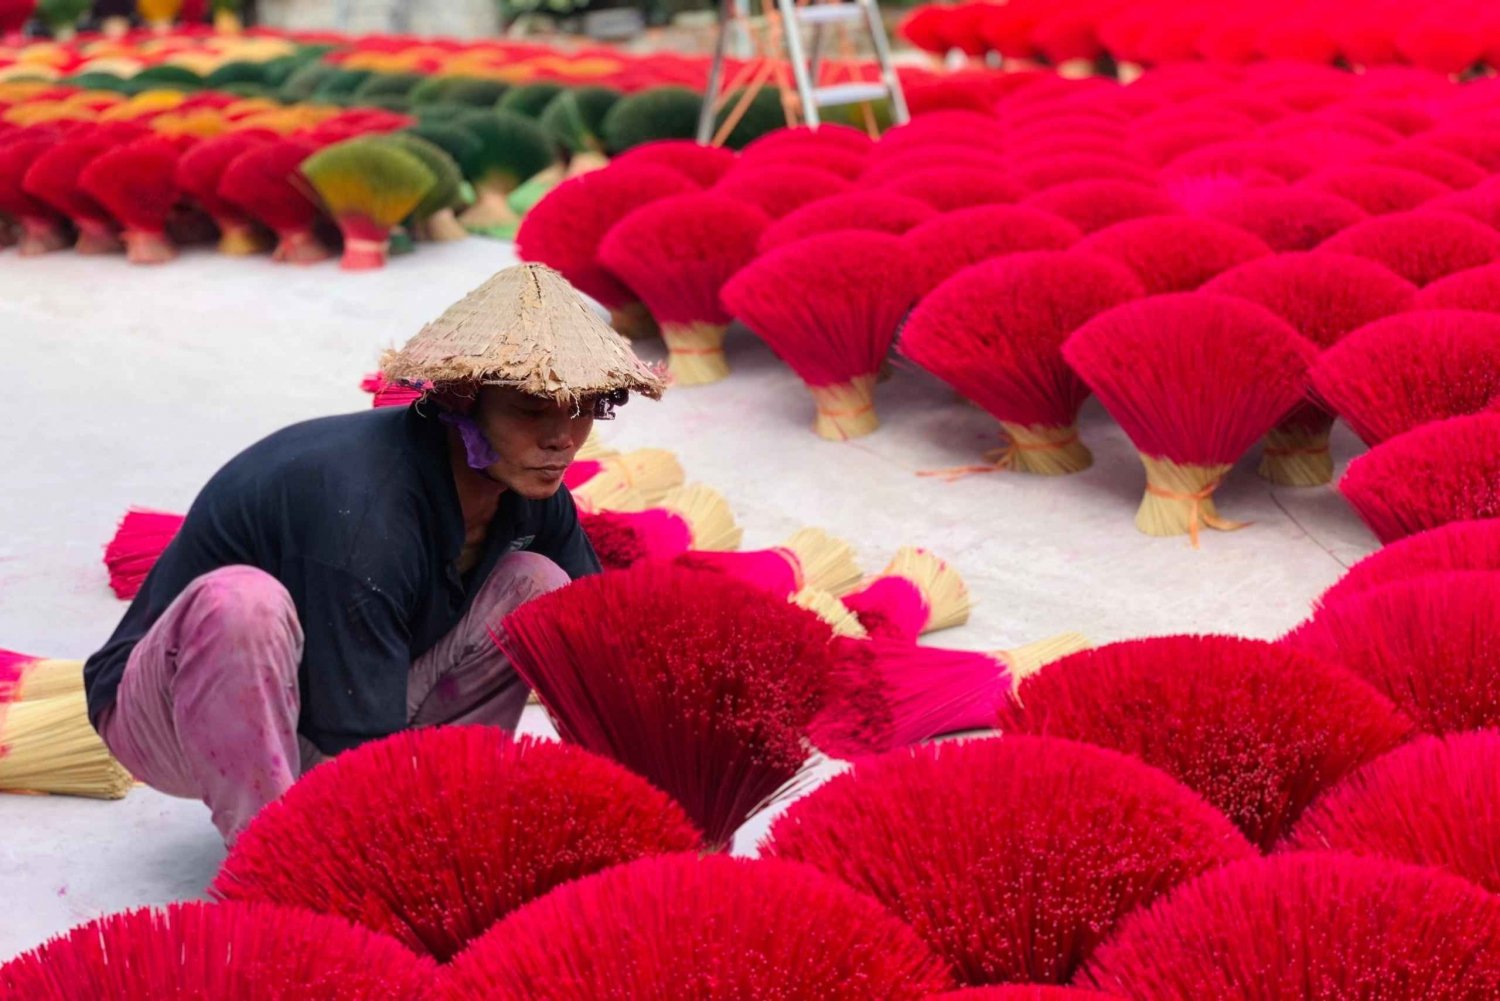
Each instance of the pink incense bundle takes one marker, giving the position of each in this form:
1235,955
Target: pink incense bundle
879,211
1250,161
24,677
1286,218
1097,204
53,177
564,229
809,559
263,182
624,481
1324,297
1052,171
890,693
995,332
199,172
1378,190
1023,992
676,253
833,159
940,128
710,928
917,593
1308,926
139,540
1420,246
1440,472
1475,289
950,188
1410,369
944,246
384,393
433,835
693,517
1163,136
1419,157
883,168
703,685
43,228
703,165
1460,545
1193,380
1472,141
137,183
779,190
1428,643
229,952
1434,802
1012,857
802,137
1175,253
829,307
1482,204
1256,729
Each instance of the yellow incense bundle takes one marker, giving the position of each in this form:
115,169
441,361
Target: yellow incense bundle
23,679
48,745
826,563
832,611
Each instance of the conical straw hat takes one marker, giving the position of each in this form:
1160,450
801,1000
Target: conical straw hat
526,327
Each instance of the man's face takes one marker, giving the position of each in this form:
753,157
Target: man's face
535,438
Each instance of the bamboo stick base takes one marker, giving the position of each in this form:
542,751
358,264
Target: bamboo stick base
50,747
696,353
443,227
241,241
1297,457
490,211
1024,661
1045,451
1179,499
845,411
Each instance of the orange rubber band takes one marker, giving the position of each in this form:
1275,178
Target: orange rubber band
1199,517
694,351
848,413
999,459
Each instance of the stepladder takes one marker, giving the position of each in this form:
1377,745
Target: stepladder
808,51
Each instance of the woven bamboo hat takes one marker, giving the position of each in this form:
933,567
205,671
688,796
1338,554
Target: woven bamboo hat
526,328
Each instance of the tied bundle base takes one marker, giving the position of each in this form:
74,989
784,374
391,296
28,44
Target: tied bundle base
634,322
846,410
300,247
1297,457
49,746
491,210
442,227
148,248
1043,451
695,353
1179,499
42,236
241,240
362,254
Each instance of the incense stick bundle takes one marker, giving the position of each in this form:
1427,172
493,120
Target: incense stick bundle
879,211
621,481
917,593
137,544
1175,253
690,517
198,174
48,745
1420,246
23,677
779,190
368,185
942,247
1459,545
1287,218
810,558
1096,204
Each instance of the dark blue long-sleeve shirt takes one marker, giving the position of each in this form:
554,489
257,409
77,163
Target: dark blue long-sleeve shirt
358,517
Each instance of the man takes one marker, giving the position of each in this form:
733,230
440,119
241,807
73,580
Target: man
339,580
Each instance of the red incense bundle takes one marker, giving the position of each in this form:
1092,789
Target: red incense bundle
1051,171
845,163
1476,289
564,229
676,253
1249,161
1419,157
689,518
388,394
53,177
800,137
944,246
139,540
43,228
703,165
1286,218
701,684
1410,369
810,558
917,593
224,951
23,677
1428,643
433,835
137,184
1324,297
199,172
1175,253
1440,472
1193,380
1308,926
1101,202
886,167
995,332
1256,729
264,184
1461,545
879,211
1378,190
887,693
1434,802
1023,992
1481,204
829,306
950,188
680,926
778,190
1027,852
1420,246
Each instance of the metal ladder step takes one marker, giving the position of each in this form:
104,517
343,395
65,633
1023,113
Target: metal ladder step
830,13
839,94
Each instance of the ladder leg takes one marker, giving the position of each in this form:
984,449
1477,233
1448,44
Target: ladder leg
715,73
888,75
815,55
792,31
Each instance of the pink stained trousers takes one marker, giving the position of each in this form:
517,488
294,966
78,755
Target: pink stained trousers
208,705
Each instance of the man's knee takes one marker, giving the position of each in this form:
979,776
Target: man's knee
241,602
530,573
